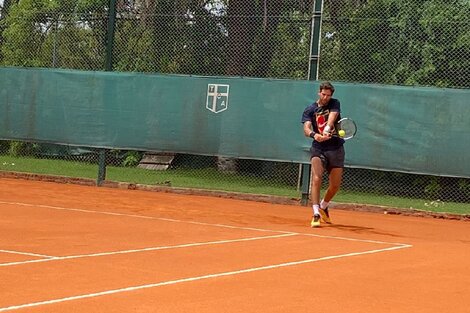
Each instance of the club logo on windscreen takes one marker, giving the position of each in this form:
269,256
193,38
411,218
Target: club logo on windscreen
217,97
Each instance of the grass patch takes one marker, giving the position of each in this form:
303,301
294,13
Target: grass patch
401,202
208,178
212,179
48,167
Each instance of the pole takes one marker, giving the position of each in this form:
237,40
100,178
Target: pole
110,35
108,67
314,60
315,40
101,167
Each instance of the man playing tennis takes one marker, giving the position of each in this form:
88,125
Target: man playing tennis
327,151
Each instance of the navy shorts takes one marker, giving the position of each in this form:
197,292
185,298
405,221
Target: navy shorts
330,158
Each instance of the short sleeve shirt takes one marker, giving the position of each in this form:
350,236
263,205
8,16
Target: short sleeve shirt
318,115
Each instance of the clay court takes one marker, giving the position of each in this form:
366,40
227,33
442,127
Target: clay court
72,248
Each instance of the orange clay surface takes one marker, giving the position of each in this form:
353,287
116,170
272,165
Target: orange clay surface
71,248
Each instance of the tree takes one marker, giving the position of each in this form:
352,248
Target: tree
4,11
241,34
55,33
410,42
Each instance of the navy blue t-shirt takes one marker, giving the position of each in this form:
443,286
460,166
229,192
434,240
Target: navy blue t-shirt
318,115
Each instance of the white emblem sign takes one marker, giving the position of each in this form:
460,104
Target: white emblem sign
217,97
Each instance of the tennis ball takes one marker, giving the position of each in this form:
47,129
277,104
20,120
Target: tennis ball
341,133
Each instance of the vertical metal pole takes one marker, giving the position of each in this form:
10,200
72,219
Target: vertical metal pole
101,167
110,35
108,67
315,40
54,46
314,59
306,168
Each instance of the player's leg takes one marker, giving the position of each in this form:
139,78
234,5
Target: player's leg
334,183
317,175
316,182
335,177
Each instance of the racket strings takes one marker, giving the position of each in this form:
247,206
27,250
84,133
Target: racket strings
348,127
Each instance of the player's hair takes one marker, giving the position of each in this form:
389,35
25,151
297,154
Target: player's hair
327,86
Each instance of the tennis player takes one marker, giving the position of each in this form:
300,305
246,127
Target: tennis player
327,151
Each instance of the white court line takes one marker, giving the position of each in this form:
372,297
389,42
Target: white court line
27,253
200,223
195,244
138,216
190,279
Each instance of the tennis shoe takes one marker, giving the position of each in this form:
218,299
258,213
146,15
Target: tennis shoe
325,215
315,221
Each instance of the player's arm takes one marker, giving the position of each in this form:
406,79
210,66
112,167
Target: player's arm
308,132
332,117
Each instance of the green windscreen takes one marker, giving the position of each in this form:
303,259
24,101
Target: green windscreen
419,130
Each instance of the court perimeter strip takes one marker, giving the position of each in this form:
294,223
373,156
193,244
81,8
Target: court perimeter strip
191,279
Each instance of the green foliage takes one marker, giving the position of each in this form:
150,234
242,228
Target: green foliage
411,42
125,158
464,186
131,158
133,48
19,148
293,42
43,33
433,188
4,147
22,41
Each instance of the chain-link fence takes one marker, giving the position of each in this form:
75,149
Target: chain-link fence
246,176
415,42
420,43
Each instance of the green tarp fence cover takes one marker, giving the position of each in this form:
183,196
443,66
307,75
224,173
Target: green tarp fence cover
417,130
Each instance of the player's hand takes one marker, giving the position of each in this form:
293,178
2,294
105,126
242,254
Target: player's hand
322,137
327,130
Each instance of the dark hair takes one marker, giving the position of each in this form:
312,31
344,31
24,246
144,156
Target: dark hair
327,86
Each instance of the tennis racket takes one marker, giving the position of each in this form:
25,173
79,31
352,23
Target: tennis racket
347,126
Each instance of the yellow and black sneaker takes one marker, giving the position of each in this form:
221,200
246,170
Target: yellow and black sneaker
325,216
315,221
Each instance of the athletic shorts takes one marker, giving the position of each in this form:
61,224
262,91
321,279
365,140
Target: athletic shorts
330,158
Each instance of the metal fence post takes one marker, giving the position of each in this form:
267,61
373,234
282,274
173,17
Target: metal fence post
312,75
305,183
110,35
315,40
108,67
101,167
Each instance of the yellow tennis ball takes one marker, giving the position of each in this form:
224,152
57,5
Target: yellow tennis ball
341,133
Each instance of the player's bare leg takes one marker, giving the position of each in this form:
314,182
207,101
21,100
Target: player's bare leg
317,174
335,179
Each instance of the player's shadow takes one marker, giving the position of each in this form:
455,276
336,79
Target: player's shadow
350,228
360,229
